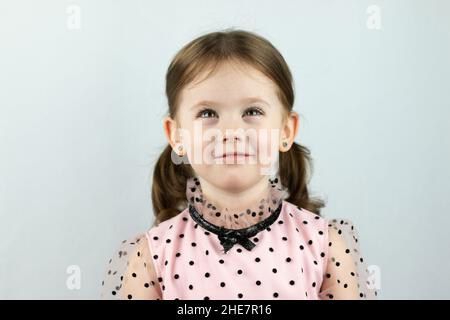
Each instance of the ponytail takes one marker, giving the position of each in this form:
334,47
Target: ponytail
169,186
295,172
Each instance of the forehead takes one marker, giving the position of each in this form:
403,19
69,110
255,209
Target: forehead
229,82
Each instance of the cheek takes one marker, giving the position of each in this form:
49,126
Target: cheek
268,144
200,146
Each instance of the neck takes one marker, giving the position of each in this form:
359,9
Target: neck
236,201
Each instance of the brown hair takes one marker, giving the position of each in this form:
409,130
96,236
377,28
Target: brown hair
169,178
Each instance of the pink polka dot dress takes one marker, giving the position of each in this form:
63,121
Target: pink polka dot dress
272,250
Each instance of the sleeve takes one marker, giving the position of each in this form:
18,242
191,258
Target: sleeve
346,275
130,273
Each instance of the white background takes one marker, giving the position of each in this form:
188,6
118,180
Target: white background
81,128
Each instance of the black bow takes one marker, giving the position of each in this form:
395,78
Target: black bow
228,238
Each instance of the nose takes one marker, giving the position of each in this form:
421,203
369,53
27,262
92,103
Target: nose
231,137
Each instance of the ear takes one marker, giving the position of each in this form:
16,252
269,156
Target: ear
172,133
289,131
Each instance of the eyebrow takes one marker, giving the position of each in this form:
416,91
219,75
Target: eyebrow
245,100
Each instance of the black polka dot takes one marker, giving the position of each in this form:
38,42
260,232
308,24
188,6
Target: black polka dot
258,283
191,263
239,271
133,275
207,274
191,287
176,276
130,296
292,282
222,284
240,295
257,259
221,261
275,294
274,270
288,259
193,244
146,285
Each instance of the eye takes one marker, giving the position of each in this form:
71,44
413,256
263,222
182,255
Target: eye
208,112
254,111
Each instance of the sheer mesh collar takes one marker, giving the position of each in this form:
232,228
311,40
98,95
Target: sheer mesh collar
235,227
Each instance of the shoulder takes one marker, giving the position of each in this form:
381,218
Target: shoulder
341,229
343,247
166,225
124,255
165,230
306,217
345,262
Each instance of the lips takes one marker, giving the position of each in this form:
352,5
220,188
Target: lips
234,154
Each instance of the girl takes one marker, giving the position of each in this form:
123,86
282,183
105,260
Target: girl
231,220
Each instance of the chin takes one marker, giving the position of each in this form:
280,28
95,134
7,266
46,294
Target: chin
235,179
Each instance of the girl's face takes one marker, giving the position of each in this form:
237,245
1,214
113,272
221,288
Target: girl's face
233,111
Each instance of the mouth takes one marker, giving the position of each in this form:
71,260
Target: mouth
234,155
